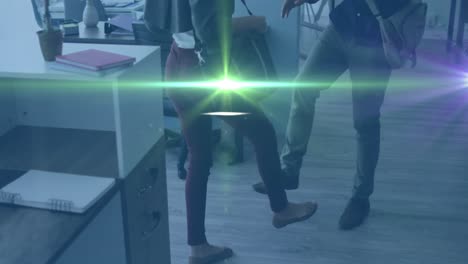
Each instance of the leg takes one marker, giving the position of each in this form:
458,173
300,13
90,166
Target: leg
260,132
197,131
182,172
324,65
370,74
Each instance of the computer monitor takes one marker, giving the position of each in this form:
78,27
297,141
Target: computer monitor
117,3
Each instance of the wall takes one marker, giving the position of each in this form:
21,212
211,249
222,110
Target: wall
440,8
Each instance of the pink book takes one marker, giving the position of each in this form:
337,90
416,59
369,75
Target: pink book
95,60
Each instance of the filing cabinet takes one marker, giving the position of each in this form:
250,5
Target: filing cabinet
144,199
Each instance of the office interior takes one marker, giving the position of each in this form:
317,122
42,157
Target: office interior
100,126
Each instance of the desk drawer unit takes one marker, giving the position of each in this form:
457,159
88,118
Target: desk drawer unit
145,210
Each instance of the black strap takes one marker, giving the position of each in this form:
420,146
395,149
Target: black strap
199,45
247,7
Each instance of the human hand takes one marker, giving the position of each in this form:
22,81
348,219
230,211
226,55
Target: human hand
288,5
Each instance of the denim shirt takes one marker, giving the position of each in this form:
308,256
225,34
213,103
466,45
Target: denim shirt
354,20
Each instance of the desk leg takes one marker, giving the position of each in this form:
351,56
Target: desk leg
460,32
453,8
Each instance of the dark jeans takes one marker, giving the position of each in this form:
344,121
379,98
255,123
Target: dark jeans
197,127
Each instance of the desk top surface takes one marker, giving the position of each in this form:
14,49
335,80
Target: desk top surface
138,5
96,35
23,59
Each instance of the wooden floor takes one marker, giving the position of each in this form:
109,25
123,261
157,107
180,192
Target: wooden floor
419,209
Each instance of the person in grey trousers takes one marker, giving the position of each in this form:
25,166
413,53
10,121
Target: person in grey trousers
351,42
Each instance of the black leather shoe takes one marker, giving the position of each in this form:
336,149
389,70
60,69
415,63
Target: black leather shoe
289,183
354,214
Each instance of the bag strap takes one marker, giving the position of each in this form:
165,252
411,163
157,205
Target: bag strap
198,44
374,8
247,7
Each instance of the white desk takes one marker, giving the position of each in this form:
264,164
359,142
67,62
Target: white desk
109,127
57,10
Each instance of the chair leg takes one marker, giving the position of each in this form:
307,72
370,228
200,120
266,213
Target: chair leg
460,32
239,148
453,8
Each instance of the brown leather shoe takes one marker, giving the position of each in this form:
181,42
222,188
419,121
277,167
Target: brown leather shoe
211,259
310,209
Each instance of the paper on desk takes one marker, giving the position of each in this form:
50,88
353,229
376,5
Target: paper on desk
123,21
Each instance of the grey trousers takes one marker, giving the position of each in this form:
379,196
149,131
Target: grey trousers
369,74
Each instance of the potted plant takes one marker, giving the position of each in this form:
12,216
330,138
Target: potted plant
50,38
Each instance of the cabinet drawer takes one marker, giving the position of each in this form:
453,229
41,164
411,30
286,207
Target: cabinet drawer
146,208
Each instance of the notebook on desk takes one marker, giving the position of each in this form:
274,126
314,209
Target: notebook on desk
95,60
84,72
56,191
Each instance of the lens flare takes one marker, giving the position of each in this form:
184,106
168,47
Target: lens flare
228,84
226,113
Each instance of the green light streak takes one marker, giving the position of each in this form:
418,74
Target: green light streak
229,85
225,33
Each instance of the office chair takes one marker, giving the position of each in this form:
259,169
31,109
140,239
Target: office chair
74,9
38,9
462,21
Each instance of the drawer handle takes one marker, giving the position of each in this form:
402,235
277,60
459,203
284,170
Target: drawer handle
144,190
155,221
153,172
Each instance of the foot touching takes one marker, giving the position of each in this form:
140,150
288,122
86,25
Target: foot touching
289,181
294,213
354,214
207,254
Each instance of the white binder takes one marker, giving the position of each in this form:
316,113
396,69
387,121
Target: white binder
56,191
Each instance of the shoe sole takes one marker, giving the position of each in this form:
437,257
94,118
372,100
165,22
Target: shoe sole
223,255
263,191
351,227
280,224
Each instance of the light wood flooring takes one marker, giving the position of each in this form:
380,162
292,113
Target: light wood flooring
419,209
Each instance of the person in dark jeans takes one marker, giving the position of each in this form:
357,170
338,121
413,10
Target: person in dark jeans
197,127
183,64
352,42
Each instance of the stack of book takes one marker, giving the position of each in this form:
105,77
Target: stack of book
92,62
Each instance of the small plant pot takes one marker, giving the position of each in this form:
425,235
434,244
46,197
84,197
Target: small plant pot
51,43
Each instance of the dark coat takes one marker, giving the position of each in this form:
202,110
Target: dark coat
210,20
170,15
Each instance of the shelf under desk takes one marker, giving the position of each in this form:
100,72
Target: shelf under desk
75,151
47,233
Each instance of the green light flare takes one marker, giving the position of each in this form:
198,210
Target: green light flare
225,33
226,113
227,85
